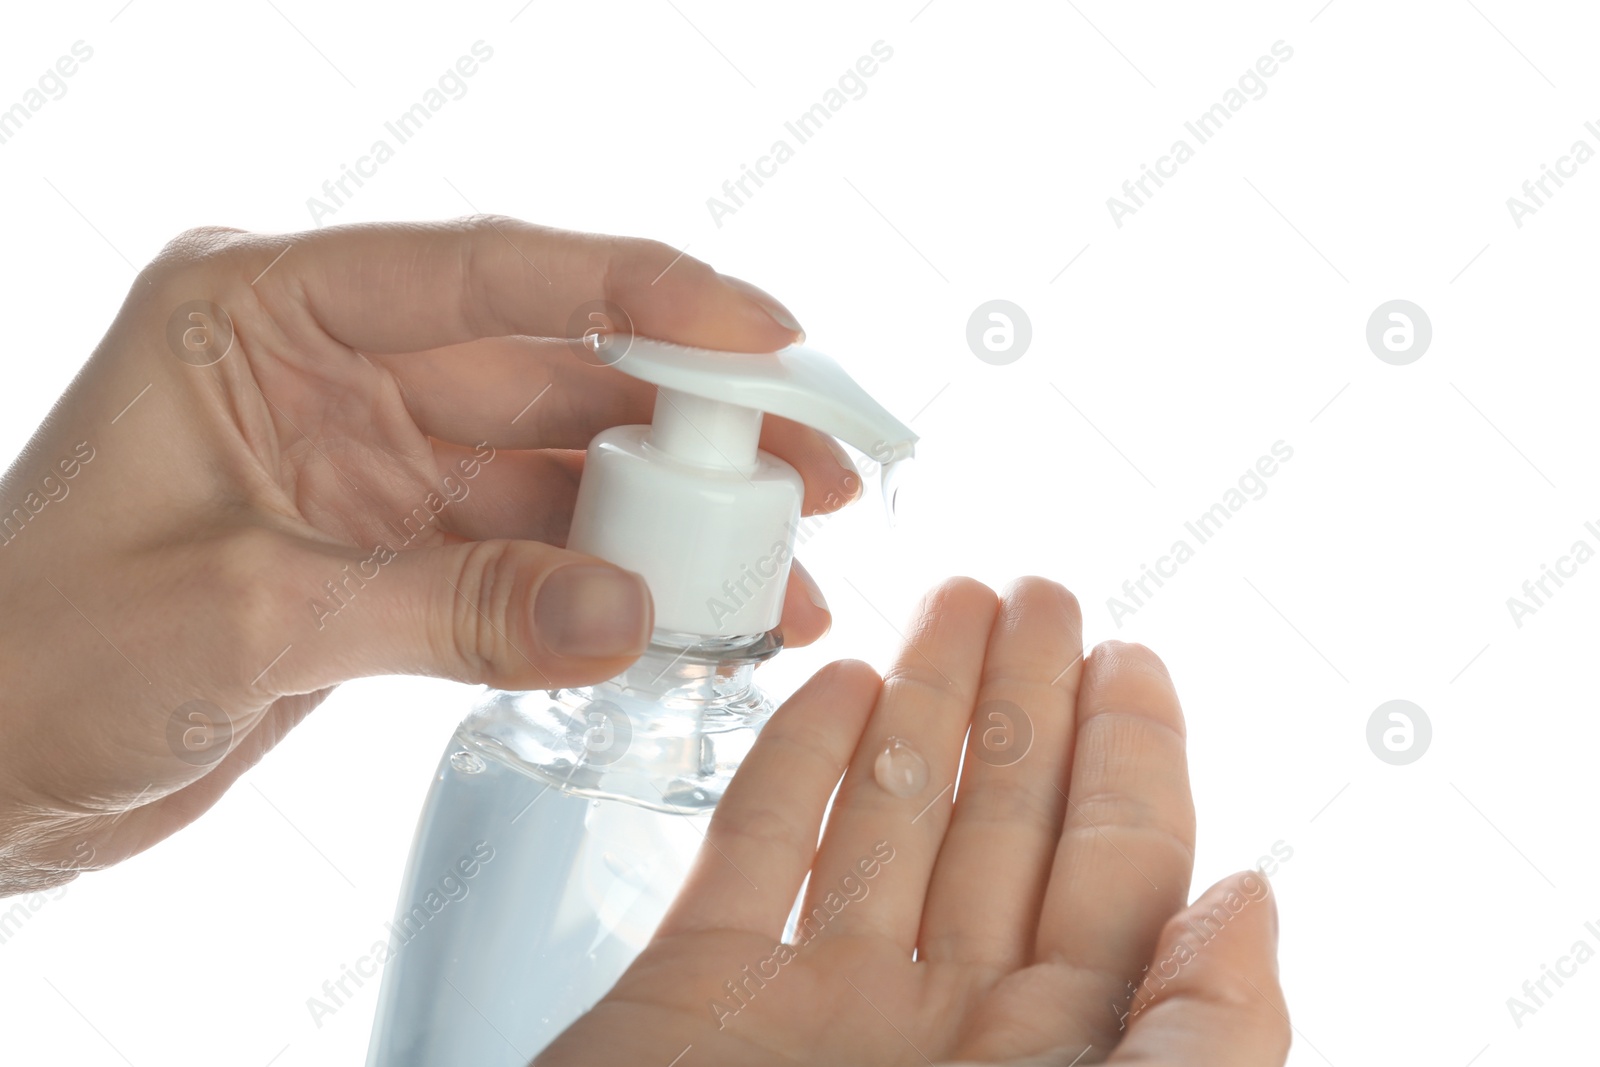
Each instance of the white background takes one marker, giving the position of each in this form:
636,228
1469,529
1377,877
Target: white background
1227,314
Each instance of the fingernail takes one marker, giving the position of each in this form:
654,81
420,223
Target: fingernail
588,611
767,303
809,584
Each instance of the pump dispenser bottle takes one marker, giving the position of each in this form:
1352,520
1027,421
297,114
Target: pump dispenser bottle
561,823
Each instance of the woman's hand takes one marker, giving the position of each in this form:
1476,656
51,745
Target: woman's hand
300,459
1045,906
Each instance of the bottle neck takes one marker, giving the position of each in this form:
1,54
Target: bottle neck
667,733
688,672
706,433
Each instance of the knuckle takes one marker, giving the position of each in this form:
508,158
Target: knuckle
485,220
918,683
1012,801
658,254
483,233
1122,734
635,260
485,240
485,585
194,251
1120,677
1113,812
207,263
766,829
1139,823
199,242
806,750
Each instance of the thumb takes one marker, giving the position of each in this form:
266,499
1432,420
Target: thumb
511,614
1211,994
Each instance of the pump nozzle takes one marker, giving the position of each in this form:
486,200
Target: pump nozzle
691,502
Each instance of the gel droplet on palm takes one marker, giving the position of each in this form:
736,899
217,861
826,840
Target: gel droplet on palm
900,769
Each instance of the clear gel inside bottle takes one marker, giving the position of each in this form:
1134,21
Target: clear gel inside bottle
559,828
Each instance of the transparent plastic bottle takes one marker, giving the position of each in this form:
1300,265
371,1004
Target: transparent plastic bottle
576,813
561,824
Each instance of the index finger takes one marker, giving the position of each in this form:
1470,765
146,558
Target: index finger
763,837
401,287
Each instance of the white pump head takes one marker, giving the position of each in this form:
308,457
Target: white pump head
692,503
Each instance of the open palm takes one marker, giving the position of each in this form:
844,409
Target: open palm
1034,914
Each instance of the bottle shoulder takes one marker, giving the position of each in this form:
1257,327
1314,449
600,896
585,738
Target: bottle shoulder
587,742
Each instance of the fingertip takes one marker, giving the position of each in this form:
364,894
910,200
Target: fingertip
1255,880
852,674
675,297
766,308
1211,994
806,616
809,586
1033,588
1247,901
1250,883
962,588
1042,599
1135,670
848,479
829,490
843,681
838,699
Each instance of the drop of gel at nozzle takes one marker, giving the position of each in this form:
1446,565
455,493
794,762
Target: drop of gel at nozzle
900,769
890,479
